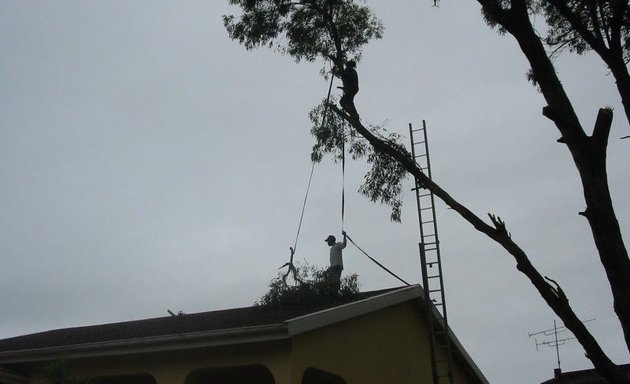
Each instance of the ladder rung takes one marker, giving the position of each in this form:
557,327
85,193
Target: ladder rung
432,277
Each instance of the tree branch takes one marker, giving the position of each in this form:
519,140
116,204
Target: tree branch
553,296
603,123
595,42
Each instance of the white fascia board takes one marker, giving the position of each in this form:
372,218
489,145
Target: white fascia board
152,344
351,310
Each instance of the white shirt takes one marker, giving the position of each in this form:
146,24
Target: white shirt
335,253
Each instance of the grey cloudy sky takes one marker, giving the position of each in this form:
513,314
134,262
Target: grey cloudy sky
149,163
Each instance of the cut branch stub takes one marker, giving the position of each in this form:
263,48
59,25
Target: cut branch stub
499,225
556,289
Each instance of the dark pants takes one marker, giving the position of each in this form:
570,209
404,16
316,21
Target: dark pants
347,103
334,278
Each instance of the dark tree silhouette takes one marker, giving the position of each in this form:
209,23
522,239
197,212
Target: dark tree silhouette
266,22
602,26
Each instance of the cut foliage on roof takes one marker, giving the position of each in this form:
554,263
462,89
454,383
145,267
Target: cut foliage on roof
312,288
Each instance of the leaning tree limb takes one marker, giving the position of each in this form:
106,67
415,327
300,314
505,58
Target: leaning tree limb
552,294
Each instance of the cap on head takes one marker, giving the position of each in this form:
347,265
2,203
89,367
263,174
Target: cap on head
352,63
330,238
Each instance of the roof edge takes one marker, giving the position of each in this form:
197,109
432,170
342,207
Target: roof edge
350,310
153,344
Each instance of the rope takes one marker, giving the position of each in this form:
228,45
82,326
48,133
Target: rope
376,262
343,178
297,235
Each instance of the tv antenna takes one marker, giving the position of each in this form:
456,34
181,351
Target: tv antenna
553,337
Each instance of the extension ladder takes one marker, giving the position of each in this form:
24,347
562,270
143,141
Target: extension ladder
430,262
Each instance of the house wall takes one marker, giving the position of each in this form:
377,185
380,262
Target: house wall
175,367
387,346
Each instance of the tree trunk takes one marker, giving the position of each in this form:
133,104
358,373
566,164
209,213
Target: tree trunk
622,79
589,156
553,296
591,163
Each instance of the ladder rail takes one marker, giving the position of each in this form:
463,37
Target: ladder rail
430,258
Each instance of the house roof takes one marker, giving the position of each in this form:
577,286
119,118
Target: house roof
223,327
221,321
586,376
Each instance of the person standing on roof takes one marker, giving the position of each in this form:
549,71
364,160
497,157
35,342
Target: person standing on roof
336,261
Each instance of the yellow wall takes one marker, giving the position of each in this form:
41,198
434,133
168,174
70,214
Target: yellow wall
389,346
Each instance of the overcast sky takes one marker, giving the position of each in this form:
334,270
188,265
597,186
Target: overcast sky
149,163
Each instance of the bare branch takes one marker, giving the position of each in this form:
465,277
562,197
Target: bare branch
557,290
499,225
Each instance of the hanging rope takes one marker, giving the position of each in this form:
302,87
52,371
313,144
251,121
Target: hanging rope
308,187
289,264
343,177
297,235
376,262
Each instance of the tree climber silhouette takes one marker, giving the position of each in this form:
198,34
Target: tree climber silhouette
350,87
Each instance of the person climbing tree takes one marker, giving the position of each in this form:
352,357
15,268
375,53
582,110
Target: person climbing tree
350,87
336,262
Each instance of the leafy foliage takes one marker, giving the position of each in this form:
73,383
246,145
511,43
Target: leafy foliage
576,25
604,20
305,30
58,372
312,289
383,182
333,30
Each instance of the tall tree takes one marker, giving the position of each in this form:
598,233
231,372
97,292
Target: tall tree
330,36
574,23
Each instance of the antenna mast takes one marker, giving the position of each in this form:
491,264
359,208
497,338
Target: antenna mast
551,339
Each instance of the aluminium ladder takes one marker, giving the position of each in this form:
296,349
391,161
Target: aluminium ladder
430,262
